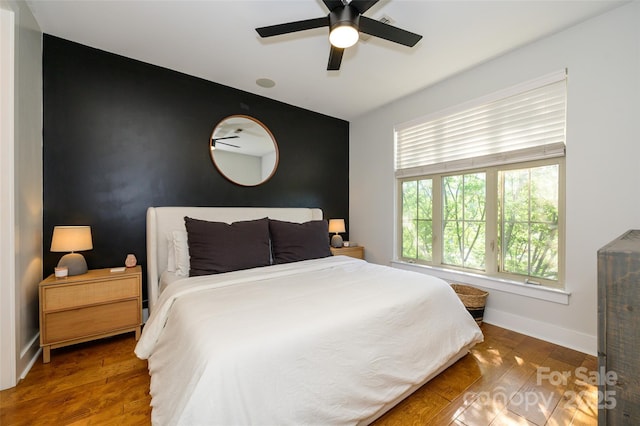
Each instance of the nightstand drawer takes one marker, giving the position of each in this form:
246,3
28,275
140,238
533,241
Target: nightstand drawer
67,325
357,251
69,296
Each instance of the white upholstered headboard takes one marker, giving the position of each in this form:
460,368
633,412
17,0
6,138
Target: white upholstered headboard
163,220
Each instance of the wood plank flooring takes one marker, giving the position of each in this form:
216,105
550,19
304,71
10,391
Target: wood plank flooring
510,379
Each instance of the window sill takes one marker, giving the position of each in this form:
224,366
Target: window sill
507,286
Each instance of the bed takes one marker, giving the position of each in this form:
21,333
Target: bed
295,338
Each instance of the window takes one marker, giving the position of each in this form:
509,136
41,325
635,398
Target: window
528,233
417,220
481,189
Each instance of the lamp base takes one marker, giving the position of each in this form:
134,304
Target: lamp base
74,262
336,241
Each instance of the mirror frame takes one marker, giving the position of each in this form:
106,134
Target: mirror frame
269,134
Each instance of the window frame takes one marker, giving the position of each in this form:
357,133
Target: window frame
491,223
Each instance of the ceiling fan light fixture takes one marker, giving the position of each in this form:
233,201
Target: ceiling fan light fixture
344,24
345,21
343,36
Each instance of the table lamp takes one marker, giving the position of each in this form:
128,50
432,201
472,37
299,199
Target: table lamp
336,226
72,239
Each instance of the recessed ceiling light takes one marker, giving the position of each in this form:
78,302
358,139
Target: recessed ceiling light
265,82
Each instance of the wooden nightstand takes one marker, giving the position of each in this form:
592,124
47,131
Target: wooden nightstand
357,251
90,306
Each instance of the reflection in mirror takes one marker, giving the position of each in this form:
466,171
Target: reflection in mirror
244,150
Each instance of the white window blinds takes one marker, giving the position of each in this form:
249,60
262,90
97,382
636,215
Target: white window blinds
520,124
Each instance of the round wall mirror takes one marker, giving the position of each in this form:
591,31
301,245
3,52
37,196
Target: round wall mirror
244,150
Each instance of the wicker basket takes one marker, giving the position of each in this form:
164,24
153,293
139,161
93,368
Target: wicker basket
473,299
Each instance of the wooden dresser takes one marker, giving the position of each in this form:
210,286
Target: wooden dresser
618,334
89,306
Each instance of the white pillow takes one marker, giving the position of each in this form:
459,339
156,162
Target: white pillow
181,253
178,260
171,254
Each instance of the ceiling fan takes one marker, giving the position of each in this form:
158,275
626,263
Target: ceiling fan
345,22
214,141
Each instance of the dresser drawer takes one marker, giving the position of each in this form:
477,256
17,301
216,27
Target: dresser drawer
69,296
82,322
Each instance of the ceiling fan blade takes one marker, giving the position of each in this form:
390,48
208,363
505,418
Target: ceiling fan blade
363,5
388,32
226,137
292,27
335,58
332,4
228,144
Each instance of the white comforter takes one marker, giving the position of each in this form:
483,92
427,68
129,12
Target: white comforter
319,342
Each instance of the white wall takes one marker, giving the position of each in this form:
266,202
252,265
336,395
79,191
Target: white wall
239,167
602,56
7,288
25,204
267,163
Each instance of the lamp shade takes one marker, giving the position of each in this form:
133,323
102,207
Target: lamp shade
71,238
336,225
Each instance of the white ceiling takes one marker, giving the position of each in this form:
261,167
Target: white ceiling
216,40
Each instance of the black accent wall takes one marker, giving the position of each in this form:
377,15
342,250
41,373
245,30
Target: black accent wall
122,135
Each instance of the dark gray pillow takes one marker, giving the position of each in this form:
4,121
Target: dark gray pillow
292,242
216,247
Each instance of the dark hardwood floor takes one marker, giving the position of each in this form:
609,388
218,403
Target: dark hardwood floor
510,379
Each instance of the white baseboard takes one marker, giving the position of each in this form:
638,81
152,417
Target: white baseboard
29,355
572,339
